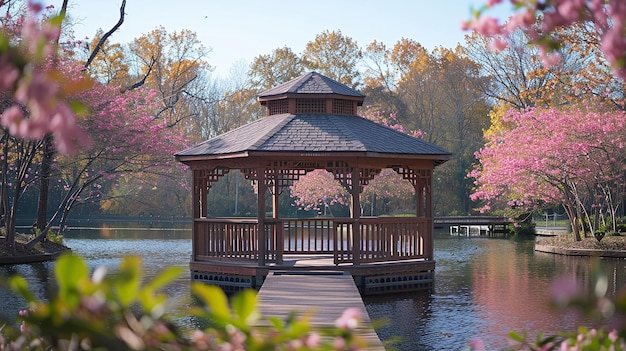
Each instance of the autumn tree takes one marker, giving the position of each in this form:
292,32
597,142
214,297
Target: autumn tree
111,65
439,94
519,79
268,71
334,55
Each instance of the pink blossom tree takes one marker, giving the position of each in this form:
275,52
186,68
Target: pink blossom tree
319,190
100,131
572,156
385,187
540,19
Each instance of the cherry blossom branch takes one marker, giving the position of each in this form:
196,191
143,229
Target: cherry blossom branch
540,19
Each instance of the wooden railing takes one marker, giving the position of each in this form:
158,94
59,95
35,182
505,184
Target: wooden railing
234,238
381,239
308,236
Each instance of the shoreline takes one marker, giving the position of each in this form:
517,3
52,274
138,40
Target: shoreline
580,252
42,252
608,247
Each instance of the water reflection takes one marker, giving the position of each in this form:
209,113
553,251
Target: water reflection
483,287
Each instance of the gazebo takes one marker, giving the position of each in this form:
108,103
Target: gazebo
312,123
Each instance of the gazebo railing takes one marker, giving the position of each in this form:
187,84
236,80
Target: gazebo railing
381,239
234,238
308,236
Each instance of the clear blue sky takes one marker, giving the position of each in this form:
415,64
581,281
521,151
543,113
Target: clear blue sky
239,30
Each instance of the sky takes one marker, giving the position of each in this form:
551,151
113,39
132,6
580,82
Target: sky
237,31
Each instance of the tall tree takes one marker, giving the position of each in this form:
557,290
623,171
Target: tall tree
334,55
268,71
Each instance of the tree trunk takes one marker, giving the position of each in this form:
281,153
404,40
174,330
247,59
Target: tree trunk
573,220
4,191
46,165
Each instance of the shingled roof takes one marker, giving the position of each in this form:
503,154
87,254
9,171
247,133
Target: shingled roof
298,133
315,133
310,83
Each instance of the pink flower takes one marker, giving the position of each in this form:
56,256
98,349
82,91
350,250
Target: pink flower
476,344
487,26
498,45
12,116
8,73
349,319
312,340
549,59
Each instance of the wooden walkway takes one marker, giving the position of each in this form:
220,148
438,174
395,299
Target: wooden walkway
326,294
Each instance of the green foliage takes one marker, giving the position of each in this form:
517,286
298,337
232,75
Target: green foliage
524,227
120,312
56,238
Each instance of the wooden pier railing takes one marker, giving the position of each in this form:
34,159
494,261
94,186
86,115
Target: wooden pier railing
381,239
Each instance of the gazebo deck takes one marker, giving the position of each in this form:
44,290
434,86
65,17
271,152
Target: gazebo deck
390,255
370,278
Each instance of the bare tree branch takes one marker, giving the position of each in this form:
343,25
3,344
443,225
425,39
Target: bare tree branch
142,81
106,36
173,99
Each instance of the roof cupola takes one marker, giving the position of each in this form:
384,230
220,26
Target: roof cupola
312,93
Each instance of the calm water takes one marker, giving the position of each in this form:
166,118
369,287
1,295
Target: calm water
484,287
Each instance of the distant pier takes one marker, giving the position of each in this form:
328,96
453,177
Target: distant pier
474,225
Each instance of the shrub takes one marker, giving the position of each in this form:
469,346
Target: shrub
599,235
118,312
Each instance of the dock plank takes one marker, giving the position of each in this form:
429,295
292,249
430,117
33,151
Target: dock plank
327,295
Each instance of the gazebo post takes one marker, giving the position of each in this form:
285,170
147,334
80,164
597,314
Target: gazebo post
195,196
428,186
196,182
355,210
279,240
260,173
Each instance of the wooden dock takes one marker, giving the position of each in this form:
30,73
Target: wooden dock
327,294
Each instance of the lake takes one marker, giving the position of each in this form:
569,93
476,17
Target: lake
484,287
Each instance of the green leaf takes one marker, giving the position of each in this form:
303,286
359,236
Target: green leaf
244,306
516,336
164,278
71,273
4,43
214,298
57,20
20,286
128,281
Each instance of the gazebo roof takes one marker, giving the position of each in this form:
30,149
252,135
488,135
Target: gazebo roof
310,83
288,133
313,133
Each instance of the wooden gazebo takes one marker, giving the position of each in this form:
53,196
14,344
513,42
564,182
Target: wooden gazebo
312,123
